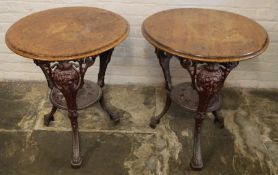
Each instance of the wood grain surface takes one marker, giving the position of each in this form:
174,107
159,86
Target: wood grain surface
205,35
66,33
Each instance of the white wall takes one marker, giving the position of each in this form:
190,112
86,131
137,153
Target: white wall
134,61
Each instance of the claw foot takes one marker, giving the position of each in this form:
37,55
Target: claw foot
218,120
114,117
47,119
154,121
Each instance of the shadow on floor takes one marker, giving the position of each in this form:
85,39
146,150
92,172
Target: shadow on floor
247,145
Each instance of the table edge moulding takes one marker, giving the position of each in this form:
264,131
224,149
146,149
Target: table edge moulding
44,57
197,57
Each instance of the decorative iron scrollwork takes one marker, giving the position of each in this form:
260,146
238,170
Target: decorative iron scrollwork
207,79
64,70
68,77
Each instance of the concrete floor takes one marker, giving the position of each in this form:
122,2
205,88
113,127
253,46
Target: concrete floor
247,145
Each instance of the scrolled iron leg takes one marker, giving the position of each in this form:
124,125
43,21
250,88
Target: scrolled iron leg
218,120
76,158
46,69
104,61
164,61
113,115
196,161
67,80
155,120
70,97
50,116
208,79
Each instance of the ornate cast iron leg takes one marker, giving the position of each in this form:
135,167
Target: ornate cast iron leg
68,77
46,68
191,67
104,61
164,61
208,79
197,162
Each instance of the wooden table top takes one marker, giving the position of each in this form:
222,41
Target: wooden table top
205,35
66,33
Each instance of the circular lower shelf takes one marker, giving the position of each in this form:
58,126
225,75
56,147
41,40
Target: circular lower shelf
188,98
89,94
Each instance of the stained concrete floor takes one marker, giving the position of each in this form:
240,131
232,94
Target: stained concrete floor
247,145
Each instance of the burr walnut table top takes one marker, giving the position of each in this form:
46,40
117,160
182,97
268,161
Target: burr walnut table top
205,35
66,33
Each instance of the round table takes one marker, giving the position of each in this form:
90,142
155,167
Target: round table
208,44
64,43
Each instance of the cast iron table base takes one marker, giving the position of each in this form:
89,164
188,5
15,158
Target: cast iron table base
64,42
69,92
209,44
202,97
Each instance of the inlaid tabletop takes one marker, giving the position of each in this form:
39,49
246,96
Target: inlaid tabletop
205,35
66,33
